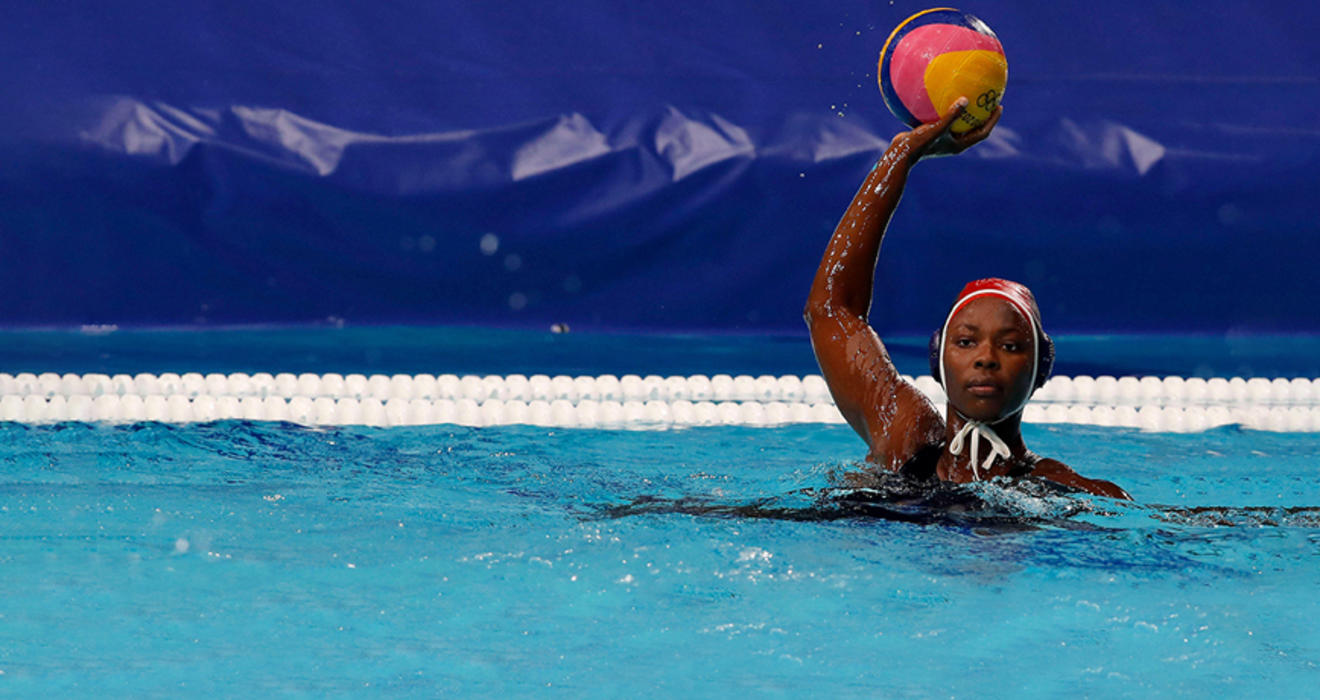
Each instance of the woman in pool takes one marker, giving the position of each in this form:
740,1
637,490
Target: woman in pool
990,354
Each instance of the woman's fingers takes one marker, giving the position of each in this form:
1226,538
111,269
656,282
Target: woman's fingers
929,138
938,139
983,130
953,114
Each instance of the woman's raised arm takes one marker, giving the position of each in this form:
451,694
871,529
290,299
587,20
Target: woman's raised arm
890,414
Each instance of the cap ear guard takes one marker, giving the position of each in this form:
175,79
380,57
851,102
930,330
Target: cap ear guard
1044,357
933,352
1044,360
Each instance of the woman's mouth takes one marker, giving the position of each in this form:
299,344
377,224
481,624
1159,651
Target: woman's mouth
984,389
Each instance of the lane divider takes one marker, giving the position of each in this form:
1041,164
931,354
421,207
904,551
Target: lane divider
1167,404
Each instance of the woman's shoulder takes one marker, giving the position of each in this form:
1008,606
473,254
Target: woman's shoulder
912,432
1060,473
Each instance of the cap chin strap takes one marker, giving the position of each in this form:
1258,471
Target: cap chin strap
976,428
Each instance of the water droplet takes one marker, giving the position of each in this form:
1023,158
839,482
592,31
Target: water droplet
490,243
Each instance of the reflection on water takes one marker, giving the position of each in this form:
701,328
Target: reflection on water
1002,504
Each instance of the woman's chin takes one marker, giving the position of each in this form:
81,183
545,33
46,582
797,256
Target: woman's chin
980,410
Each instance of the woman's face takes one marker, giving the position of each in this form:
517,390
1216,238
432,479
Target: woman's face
988,359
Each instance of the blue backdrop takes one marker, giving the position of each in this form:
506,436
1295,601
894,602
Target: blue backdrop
654,164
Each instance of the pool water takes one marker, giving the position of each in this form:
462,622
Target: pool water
411,349
239,558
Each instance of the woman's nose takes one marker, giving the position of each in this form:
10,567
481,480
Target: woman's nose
987,360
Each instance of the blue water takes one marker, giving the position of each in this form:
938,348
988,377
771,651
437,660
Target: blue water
436,350
238,558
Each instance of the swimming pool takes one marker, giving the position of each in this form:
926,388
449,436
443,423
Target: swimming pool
238,557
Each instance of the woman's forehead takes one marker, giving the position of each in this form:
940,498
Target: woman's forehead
991,312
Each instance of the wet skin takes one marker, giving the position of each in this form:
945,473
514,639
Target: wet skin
987,357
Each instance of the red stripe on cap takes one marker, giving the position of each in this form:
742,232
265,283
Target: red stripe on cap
1016,294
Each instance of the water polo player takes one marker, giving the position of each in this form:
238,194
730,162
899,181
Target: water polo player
990,354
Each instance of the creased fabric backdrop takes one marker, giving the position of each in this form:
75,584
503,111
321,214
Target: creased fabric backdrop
660,165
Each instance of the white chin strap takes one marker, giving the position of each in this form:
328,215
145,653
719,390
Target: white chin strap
975,428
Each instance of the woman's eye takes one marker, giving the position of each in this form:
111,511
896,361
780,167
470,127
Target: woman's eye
1012,347
966,342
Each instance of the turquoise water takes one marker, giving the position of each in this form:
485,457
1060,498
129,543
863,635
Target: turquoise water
237,558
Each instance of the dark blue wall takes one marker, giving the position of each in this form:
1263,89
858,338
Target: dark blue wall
660,164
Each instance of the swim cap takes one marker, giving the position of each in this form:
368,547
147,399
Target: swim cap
1022,299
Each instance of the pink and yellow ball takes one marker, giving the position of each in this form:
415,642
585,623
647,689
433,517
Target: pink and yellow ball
936,56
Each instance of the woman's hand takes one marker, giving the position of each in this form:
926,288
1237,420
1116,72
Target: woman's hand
937,138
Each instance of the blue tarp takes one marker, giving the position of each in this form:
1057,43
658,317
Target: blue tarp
654,165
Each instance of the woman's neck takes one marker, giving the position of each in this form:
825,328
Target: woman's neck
959,468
